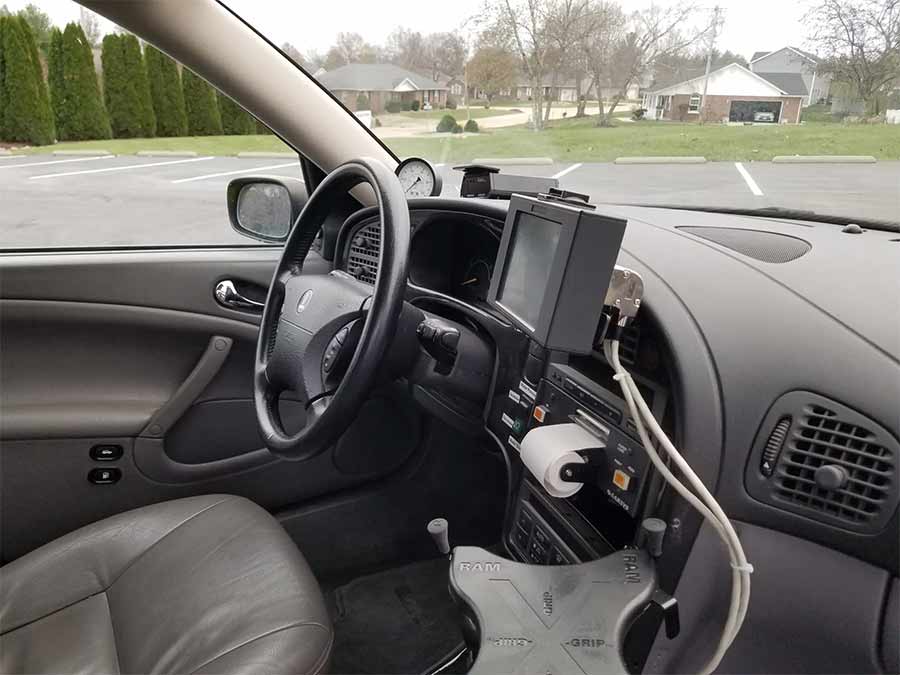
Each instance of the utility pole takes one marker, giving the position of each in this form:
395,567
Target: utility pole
712,45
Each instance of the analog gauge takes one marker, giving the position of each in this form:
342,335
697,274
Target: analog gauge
476,281
418,178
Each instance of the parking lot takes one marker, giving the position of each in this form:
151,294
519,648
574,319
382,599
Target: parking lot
56,201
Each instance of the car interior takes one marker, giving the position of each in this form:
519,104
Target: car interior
533,434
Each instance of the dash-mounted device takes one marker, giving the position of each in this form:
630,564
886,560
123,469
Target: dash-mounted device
556,251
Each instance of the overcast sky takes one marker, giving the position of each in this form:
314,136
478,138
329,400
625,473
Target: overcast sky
750,25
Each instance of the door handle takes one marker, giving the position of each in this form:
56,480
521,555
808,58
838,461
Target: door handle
228,295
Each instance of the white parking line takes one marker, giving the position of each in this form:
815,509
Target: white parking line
754,188
56,161
232,173
120,168
567,170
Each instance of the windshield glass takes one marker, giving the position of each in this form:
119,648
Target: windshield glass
744,105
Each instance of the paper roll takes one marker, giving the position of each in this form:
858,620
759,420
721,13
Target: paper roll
546,449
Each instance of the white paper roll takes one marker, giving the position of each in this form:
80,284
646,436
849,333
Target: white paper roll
546,449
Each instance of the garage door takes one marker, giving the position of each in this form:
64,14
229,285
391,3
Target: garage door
755,111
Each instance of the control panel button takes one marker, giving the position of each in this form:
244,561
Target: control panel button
106,453
621,480
104,476
541,537
537,553
520,536
557,557
540,413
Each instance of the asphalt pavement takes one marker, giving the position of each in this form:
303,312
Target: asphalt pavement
53,201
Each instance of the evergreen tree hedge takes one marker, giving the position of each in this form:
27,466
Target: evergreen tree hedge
80,113
200,106
165,93
25,113
235,120
126,88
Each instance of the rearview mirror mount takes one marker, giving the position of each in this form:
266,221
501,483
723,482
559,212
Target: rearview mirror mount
265,207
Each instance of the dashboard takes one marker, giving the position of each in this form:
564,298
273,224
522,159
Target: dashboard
767,355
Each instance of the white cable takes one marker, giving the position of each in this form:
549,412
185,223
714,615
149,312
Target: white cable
705,504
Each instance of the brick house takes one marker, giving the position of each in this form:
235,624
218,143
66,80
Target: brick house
734,94
381,83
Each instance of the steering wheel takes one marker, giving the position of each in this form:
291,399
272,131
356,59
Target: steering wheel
314,323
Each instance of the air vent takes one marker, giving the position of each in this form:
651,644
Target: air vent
827,462
768,247
628,344
362,258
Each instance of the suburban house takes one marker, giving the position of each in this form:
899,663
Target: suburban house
565,90
381,83
790,66
734,94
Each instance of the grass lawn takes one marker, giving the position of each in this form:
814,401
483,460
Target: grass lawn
204,145
576,140
581,141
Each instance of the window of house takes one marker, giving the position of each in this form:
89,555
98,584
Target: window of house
694,104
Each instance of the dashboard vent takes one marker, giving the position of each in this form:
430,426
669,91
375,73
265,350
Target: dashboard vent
628,344
827,462
362,261
768,247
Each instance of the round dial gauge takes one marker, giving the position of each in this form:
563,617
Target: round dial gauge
418,178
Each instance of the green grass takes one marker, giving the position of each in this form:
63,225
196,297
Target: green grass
576,140
581,141
204,145
475,113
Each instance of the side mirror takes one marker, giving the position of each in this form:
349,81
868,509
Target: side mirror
265,207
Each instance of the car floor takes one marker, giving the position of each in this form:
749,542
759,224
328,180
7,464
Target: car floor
394,622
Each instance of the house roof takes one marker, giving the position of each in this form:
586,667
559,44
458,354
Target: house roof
699,81
792,83
800,52
376,77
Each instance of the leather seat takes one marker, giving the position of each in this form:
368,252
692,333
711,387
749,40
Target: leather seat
207,584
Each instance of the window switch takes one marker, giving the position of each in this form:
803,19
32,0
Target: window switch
106,453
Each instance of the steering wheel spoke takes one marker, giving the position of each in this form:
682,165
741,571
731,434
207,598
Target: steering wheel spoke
306,314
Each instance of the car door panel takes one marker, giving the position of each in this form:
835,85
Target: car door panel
101,348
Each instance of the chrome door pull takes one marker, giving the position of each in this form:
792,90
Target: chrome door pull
228,296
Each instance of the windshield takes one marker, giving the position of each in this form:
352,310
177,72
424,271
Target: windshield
742,105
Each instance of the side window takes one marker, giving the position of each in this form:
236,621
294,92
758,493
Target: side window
695,103
108,142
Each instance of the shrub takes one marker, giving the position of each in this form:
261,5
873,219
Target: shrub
447,123
471,127
200,105
126,89
451,103
136,67
457,129
235,120
377,122
638,114
414,106
406,106
25,113
79,109
393,106
362,102
165,93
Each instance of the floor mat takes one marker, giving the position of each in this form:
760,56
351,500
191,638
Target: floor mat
396,622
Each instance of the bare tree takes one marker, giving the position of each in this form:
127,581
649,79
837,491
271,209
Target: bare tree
407,48
523,26
860,43
294,53
650,36
91,26
447,53
605,35
567,25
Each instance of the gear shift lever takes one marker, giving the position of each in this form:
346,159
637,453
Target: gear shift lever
438,529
